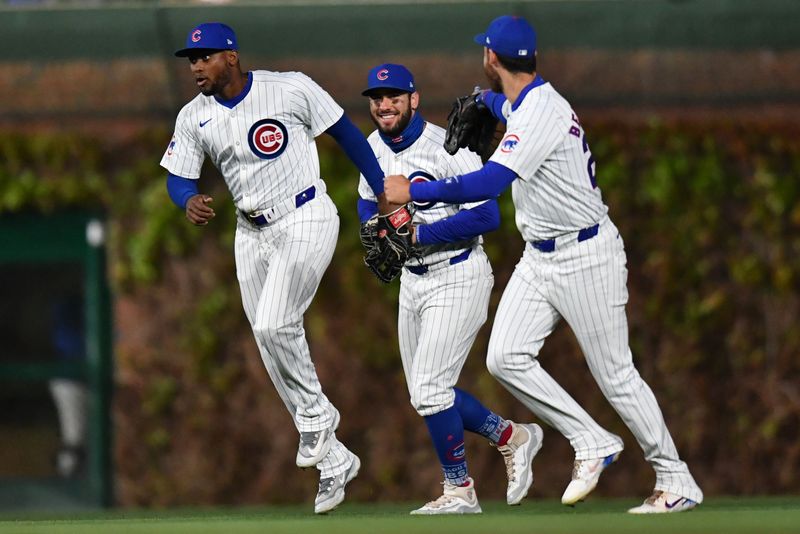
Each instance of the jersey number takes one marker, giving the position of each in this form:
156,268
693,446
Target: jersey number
589,162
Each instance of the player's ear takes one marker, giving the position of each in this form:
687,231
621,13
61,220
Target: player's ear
233,58
491,57
414,100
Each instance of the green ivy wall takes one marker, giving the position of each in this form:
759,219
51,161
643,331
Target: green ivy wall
711,220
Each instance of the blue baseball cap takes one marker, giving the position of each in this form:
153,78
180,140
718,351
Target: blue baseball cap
389,76
509,36
209,36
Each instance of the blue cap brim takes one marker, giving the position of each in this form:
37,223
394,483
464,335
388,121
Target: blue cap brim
480,39
186,52
369,91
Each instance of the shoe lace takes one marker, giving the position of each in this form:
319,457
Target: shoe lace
326,485
580,469
508,451
654,497
443,499
309,439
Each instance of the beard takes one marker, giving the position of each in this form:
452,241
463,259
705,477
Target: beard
401,125
218,85
495,84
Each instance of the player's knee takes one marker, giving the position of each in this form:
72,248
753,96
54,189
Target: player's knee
495,361
271,333
426,405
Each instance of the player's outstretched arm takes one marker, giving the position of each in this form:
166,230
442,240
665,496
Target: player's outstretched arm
485,183
463,225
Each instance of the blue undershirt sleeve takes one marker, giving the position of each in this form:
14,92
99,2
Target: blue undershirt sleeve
181,189
358,150
464,225
487,182
494,101
366,209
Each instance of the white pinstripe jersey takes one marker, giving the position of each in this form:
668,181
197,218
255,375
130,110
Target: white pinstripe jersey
264,147
555,192
426,160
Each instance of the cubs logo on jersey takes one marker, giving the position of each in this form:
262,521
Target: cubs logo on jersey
268,138
509,143
421,176
171,147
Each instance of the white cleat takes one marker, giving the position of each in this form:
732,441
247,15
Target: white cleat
585,475
314,446
518,453
662,502
455,500
331,489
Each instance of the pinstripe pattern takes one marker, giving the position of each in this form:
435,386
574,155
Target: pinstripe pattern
553,194
583,282
440,314
441,311
279,266
426,155
291,98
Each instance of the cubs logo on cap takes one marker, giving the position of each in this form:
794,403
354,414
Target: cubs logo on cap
509,36
268,138
389,76
209,36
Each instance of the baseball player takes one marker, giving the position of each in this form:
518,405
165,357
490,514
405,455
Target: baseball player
258,128
573,267
444,294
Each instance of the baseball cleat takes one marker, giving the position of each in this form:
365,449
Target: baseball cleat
314,446
663,502
331,489
454,500
585,475
518,453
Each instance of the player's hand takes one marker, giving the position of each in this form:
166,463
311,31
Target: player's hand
198,210
385,207
397,189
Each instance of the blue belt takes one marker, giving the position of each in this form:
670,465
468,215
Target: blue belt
549,245
299,199
422,269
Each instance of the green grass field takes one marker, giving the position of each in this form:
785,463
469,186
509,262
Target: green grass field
721,515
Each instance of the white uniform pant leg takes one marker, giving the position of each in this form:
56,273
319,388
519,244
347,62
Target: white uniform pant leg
523,321
591,295
440,314
409,326
72,405
279,269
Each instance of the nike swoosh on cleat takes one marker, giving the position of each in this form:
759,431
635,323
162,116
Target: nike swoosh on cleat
673,505
203,123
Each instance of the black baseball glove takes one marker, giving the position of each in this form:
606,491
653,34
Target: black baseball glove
470,125
388,243
369,234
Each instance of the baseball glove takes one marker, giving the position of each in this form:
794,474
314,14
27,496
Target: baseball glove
369,234
470,125
391,245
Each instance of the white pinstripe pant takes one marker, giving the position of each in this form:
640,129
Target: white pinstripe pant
440,314
586,284
279,267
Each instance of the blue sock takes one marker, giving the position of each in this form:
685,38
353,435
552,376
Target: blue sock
477,418
447,433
